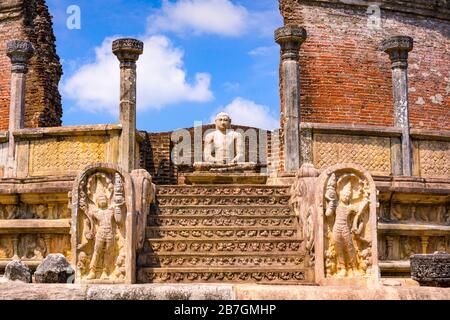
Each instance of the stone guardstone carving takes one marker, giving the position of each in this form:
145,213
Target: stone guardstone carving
346,241
224,149
103,225
303,202
145,192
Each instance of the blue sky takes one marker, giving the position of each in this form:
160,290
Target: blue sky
201,57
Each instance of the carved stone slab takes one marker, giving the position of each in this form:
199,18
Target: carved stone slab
303,202
431,269
346,239
103,225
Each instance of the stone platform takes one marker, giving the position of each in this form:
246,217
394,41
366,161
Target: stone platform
16,291
199,178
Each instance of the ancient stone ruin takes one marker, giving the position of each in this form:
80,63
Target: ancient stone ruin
352,190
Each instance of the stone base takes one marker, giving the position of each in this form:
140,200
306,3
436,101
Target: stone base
282,179
17,291
200,178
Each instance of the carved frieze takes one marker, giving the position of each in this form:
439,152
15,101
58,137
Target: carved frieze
48,211
33,247
221,233
372,153
222,222
260,211
221,201
223,246
232,190
222,261
395,247
420,213
69,155
230,276
347,237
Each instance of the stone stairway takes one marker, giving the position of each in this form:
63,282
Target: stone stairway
222,233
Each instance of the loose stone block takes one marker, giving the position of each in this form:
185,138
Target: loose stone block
431,269
16,270
54,269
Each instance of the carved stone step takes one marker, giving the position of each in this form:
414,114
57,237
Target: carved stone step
200,246
219,190
219,232
255,275
205,221
221,200
223,260
223,211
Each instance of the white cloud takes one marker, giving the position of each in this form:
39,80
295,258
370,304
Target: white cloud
200,17
265,51
161,79
248,113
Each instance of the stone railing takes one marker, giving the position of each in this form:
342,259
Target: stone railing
378,149
62,151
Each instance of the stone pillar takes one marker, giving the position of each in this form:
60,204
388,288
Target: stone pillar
398,48
290,38
20,53
128,52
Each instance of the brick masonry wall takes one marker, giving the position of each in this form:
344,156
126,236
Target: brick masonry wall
346,78
30,20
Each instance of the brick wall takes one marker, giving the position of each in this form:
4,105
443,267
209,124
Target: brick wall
30,20
346,78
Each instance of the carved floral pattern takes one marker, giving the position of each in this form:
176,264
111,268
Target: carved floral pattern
373,153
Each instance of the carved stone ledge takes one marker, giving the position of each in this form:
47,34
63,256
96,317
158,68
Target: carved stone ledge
35,226
413,229
88,130
431,269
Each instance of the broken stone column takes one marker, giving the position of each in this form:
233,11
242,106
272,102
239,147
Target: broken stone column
290,38
398,48
20,53
128,52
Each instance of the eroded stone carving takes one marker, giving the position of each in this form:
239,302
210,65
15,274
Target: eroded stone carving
102,205
48,211
347,223
32,247
303,202
145,192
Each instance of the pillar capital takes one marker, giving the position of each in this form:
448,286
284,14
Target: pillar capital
127,51
290,39
20,52
398,47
